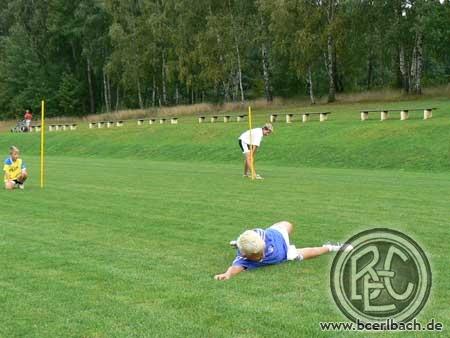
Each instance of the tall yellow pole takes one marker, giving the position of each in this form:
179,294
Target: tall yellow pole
42,141
252,167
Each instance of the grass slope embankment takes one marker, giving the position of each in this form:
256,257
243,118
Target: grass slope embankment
342,142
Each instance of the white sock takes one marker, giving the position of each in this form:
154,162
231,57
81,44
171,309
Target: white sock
333,247
338,247
328,246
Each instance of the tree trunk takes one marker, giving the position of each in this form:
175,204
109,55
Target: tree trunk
241,88
225,85
415,85
403,69
226,91
310,85
235,80
91,87
369,71
154,93
330,70
266,73
105,91
177,95
238,53
108,87
141,102
163,74
117,97
331,55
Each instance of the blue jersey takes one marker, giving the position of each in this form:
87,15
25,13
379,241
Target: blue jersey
275,250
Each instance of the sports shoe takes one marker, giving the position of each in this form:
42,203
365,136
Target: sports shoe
233,244
338,247
258,177
21,186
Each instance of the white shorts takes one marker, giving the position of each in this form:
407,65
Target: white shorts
28,123
244,147
292,252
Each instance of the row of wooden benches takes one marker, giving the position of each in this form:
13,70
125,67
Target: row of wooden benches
120,123
404,113
226,118
163,120
289,118
54,127
203,119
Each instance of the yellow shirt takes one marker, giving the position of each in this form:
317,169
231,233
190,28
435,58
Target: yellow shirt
13,169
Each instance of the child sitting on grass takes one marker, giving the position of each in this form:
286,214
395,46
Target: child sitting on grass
15,170
258,248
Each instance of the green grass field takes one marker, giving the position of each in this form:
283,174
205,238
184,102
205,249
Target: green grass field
133,224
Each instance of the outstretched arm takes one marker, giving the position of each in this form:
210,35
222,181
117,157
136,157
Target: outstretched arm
232,271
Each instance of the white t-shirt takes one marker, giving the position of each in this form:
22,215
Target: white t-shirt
257,135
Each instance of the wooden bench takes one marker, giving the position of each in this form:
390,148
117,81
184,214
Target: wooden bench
226,118
55,127
240,118
323,116
73,126
162,120
119,123
65,127
92,125
273,118
140,122
404,113
109,124
174,120
101,124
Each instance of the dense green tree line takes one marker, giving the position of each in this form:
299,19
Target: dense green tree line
88,56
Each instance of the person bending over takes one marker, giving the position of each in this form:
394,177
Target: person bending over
249,142
258,248
15,170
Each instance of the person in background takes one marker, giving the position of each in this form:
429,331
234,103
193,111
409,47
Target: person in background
28,117
14,170
249,145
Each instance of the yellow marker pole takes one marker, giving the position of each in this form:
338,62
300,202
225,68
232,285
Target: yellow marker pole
42,141
252,167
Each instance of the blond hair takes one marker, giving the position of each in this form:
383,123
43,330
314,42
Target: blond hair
250,243
13,149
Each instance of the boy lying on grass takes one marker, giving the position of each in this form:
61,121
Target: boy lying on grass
15,170
258,248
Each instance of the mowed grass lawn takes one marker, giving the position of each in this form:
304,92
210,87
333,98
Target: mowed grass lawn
129,248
